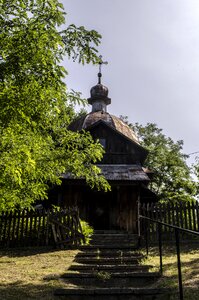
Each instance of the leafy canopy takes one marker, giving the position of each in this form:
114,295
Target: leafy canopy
172,176
36,107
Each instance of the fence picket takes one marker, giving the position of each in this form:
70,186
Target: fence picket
31,228
197,215
181,214
193,215
9,234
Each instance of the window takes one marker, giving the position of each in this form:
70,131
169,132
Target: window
103,142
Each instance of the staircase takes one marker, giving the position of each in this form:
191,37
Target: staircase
110,268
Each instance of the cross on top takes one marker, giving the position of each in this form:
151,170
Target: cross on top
101,62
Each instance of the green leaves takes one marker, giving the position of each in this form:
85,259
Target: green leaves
35,146
80,44
172,176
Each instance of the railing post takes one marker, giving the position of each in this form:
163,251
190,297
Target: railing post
160,245
146,236
47,226
179,263
138,224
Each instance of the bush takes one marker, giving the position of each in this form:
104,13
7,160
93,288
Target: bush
87,231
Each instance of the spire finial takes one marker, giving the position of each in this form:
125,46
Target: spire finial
101,62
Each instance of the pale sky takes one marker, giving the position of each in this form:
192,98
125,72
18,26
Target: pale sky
152,49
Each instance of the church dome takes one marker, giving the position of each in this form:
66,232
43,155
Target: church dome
99,101
99,91
116,123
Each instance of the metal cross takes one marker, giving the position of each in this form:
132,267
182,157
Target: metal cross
101,62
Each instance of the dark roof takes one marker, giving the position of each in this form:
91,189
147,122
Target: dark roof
120,172
114,122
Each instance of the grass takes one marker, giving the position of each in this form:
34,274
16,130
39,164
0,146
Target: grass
34,273
189,269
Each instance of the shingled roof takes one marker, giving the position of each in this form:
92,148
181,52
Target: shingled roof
113,121
119,173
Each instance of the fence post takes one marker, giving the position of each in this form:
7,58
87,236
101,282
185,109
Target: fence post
179,263
47,227
146,236
138,224
160,245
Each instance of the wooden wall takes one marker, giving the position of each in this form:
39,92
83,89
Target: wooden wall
116,210
119,150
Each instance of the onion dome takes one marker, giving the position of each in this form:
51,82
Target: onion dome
99,91
99,101
99,96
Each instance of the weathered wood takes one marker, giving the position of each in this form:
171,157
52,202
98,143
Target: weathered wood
14,228
197,215
9,229
31,228
61,227
189,216
193,216
26,226
182,214
6,218
22,225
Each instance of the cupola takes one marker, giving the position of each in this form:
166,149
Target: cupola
99,95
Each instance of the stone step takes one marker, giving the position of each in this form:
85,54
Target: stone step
114,245
105,232
109,268
115,236
109,253
108,260
132,241
110,247
113,293
111,242
107,279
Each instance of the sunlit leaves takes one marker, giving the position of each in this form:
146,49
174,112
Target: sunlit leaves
35,146
80,44
172,177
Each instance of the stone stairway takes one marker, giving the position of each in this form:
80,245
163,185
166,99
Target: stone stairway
110,268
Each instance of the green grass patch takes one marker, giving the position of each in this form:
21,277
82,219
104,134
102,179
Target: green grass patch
32,273
189,269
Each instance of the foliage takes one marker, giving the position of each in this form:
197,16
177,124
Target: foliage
196,172
36,107
87,231
172,176
103,275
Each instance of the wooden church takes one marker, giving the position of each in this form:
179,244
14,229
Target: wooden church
121,165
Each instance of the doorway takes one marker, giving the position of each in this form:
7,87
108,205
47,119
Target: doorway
99,210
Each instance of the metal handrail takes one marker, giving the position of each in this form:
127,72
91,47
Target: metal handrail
177,240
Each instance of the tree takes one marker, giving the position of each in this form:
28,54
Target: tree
172,176
35,145
196,172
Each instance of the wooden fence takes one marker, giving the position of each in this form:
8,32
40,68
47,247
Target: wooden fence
182,214
34,227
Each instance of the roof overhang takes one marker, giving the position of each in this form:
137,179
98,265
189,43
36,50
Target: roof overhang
124,173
